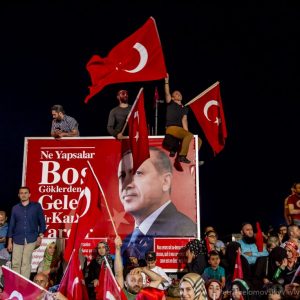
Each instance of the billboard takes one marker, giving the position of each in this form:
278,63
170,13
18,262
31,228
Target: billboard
54,171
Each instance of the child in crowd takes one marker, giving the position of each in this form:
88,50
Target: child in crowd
215,271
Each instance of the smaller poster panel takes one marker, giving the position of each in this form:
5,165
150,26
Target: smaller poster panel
170,253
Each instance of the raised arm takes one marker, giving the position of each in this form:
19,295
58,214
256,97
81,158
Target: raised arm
167,90
155,279
118,265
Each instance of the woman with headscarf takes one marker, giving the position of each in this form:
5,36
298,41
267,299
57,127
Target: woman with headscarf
240,290
292,262
192,287
92,280
51,264
196,257
214,289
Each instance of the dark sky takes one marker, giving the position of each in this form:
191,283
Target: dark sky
253,50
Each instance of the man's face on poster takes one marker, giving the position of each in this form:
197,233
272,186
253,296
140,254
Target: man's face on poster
146,190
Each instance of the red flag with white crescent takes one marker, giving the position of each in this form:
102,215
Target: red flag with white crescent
208,110
72,284
17,287
137,58
138,131
87,214
108,287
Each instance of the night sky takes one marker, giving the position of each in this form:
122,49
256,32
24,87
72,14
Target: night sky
253,50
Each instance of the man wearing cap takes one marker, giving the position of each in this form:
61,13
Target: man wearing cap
150,258
117,116
146,195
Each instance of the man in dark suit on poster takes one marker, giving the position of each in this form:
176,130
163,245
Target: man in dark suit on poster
146,195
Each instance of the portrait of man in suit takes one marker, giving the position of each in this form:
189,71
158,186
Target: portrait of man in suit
146,195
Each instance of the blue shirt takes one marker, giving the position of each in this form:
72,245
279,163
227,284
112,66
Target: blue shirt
26,223
254,252
3,233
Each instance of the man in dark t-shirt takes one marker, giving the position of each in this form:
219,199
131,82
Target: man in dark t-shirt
118,115
176,122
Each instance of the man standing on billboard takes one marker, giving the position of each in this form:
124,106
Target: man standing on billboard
25,232
146,195
62,125
118,115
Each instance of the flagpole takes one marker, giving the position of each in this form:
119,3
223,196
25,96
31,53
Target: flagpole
71,257
100,187
109,268
203,93
133,106
156,115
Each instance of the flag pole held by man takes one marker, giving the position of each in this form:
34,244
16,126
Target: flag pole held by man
138,131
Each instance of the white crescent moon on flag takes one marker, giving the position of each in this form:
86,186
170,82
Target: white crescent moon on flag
16,294
207,106
87,193
76,281
143,58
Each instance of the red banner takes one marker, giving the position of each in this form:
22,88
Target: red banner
55,169
170,253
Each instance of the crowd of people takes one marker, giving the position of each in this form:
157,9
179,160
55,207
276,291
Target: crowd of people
272,272
269,271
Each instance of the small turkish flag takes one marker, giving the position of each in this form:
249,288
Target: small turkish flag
208,110
138,131
108,287
72,284
259,238
238,270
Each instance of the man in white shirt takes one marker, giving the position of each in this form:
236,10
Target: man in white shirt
150,258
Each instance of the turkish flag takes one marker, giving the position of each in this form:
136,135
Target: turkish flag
108,287
208,110
72,284
137,58
19,287
138,131
238,270
87,213
259,238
